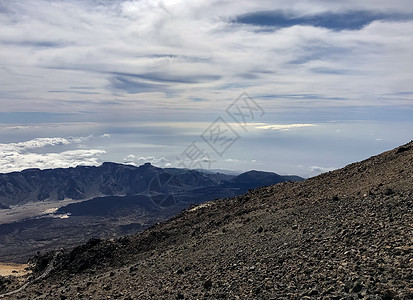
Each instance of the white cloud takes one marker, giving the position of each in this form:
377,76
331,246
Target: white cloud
232,160
37,154
14,127
240,161
318,170
282,126
146,159
36,143
157,161
40,143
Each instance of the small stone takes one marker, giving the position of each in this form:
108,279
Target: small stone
357,287
208,284
389,295
402,149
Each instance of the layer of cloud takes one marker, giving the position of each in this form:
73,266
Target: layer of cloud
38,153
282,126
162,162
318,170
96,55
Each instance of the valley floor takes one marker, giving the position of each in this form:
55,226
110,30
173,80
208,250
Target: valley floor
7,269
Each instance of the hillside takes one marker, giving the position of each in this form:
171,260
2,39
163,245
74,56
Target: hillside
108,201
346,234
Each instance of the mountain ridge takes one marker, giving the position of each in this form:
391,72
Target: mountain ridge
87,182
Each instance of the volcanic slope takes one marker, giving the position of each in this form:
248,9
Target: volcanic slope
345,234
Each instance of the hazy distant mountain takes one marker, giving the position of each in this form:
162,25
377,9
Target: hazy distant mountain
86,182
253,179
111,179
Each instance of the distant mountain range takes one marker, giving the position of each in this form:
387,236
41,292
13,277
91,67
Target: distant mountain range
64,207
112,179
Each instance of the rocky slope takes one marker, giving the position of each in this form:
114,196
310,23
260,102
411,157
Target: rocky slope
346,234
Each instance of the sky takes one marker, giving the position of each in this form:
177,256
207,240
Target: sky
293,87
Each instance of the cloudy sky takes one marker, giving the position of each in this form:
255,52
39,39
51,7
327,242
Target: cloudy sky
295,87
